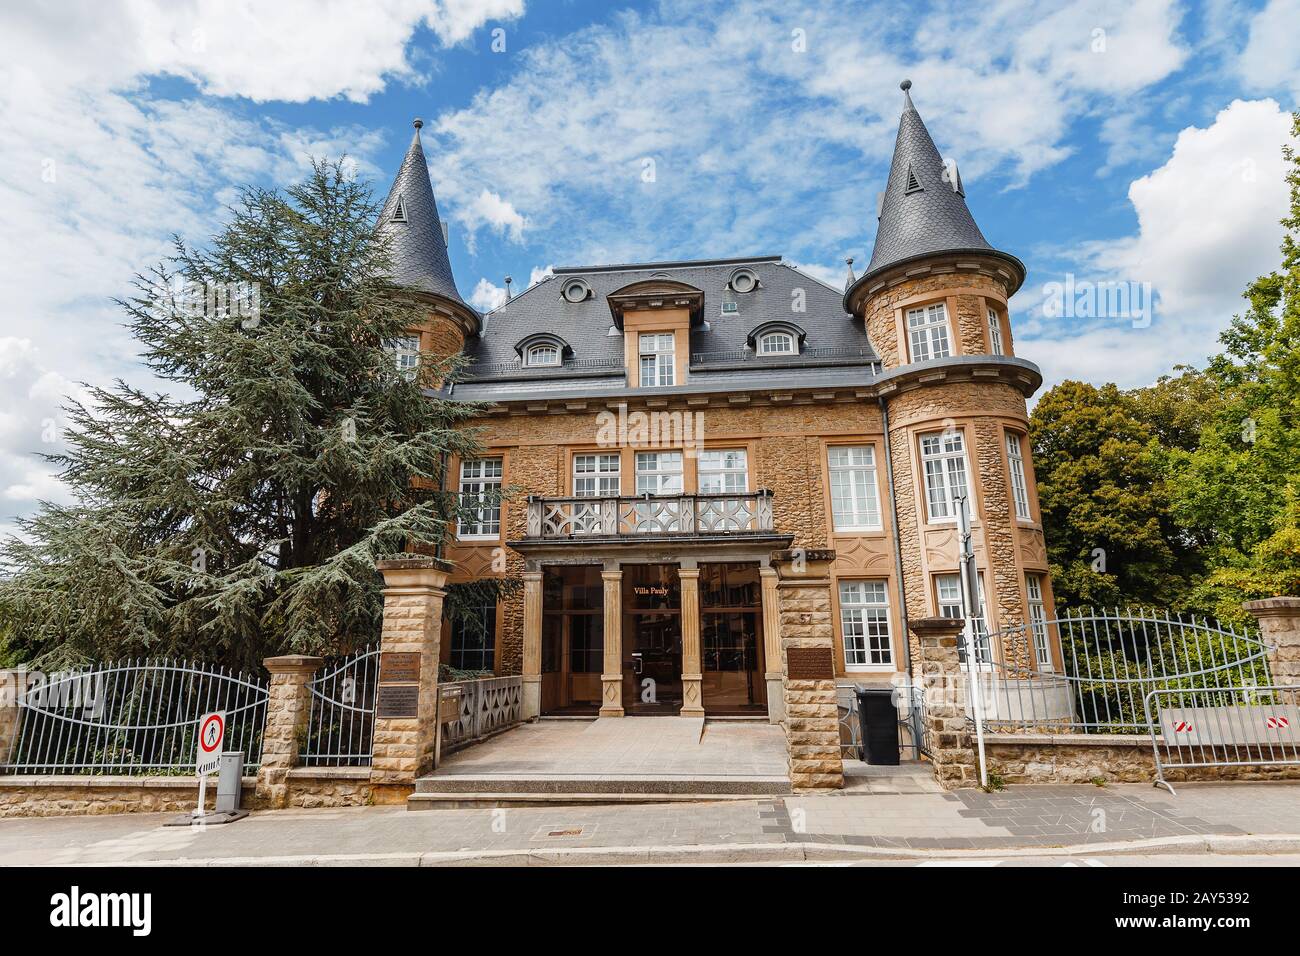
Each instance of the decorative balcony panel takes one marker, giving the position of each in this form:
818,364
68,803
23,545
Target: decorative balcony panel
629,518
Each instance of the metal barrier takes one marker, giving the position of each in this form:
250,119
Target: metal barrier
341,722
1092,670
1223,727
478,709
132,717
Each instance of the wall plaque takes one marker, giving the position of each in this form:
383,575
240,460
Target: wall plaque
399,667
810,663
398,700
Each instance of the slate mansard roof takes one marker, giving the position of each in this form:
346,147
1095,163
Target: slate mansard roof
835,349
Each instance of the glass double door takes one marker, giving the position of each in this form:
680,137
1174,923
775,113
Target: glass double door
652,639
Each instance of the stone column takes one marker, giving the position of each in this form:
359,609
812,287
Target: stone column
943,683
772,660
532,702
692,678
1279,627
404,746
611,678
13,683
812,726
288,705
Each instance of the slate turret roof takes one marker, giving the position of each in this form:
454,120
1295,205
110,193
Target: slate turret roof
410,221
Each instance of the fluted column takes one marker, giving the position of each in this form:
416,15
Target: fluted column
692,678
532,683
611,678
772,645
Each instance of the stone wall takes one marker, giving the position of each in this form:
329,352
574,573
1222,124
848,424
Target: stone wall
1080,758
77,795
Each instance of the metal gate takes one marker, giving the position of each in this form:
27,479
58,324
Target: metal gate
913,739
1223,727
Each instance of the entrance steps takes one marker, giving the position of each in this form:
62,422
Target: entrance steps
611,761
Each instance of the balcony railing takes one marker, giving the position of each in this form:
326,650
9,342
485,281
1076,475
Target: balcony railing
558,519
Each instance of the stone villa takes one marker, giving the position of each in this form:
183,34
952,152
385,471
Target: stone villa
719,460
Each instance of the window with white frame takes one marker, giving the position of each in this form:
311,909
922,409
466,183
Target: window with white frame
864,625
1038,620
723,471
657,354
927,331
596,476
947,592
855,499
1016,465
995,332
480,485
776,343
658,473
405,351
943,459
542,354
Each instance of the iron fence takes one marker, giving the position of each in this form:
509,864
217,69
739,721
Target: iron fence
131,717
341,722
1091,671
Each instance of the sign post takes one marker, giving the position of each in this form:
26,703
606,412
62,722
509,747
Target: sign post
212,734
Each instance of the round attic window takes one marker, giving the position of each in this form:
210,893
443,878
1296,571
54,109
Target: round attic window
575,290
743,280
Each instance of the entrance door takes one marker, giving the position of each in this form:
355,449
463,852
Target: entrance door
652,639
731,639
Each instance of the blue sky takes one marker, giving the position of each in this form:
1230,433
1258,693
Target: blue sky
1134,142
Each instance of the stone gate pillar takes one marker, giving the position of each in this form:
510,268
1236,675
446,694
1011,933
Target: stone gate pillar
406,712
943,684
13,684
1279,626
288,705
812,726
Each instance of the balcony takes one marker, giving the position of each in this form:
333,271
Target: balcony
620,519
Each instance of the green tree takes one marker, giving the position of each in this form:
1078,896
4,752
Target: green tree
1239,490
240,513
1100,467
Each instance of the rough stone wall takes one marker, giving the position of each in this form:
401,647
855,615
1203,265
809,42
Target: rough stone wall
985,408
65,796
970,313
1131,760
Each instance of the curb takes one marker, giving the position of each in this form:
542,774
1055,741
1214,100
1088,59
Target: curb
722,854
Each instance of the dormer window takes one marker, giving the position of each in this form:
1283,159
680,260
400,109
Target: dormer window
913,184
399,212
777,343
743,281
776,338
542,350
543,354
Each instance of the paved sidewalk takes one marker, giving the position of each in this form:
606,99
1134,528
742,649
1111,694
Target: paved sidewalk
1073,818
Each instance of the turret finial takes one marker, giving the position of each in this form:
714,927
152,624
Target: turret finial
418,123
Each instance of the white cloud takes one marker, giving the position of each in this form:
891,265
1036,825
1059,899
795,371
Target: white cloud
540,273
487,296
1271,58
489,209
288,50
1208,223
98,171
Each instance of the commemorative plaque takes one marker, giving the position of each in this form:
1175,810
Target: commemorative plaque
810,663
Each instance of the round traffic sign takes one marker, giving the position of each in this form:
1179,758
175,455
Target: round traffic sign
211,732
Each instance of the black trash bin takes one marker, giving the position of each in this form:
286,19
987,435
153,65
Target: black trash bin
878,718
